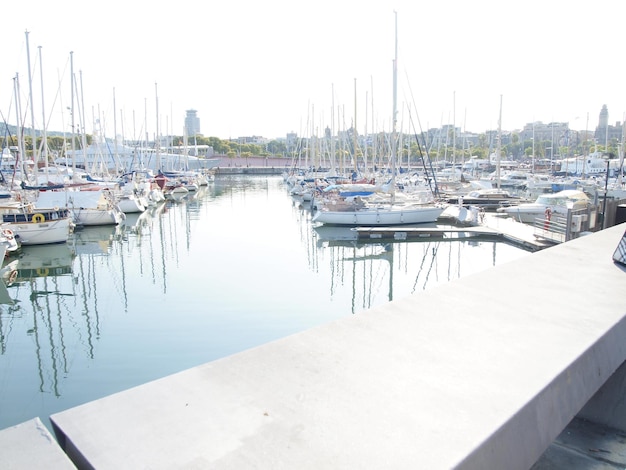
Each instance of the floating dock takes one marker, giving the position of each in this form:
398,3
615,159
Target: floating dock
492,227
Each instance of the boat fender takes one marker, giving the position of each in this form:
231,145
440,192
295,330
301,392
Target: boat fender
38,218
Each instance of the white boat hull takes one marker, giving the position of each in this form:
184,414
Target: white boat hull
44,233
130,204
527,214
89,217
409,214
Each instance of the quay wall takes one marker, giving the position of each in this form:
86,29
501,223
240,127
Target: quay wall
251,166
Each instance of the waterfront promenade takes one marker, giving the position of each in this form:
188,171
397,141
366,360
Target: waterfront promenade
480,373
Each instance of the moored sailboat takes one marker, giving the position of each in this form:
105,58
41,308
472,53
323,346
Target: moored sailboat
37,227
387,208
93,207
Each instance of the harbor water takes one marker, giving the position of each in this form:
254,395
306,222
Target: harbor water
231,267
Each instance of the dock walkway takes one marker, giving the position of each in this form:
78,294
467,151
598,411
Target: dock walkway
492,227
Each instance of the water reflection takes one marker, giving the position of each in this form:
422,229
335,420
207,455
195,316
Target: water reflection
56,297
376,268
43,261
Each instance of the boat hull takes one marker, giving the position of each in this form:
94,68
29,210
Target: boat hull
90,217
380,216
44,233
130,204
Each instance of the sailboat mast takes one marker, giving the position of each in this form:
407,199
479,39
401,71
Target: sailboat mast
394,116
374,135
454,131
115,149
73,112
32,105
44,136
499,147
157,136
83,116
333,143
21,151
354,136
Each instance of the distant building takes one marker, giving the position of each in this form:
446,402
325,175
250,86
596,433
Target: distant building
605,133
252,139
292,142
192,123
557,132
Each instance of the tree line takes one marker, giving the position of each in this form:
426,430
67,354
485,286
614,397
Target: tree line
408,148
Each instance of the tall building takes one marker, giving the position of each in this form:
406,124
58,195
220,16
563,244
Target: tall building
603,120
605,132
192,123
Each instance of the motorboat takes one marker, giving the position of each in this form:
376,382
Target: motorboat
489,199
546,205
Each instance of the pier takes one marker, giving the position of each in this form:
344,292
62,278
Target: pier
493,227
520,366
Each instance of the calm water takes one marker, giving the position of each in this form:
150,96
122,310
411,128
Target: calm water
235,267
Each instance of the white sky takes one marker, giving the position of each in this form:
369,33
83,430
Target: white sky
277,66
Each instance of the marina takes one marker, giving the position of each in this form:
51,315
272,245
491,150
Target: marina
192,281
344,296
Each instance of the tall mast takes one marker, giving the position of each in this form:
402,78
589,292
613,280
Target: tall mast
20,128
44,136
394,115
333,144
115,148
454,130
374,136
156,140
73,118
354,132
32,106
83,136
499,147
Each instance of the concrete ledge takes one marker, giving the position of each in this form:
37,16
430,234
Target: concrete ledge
481,373
30,446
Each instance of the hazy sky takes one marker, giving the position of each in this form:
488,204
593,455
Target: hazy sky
277,66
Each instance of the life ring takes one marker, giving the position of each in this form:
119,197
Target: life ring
548,214
7,233
42,271
13,275
38,218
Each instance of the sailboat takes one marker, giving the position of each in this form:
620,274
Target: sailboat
93,207
383,207
37,227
